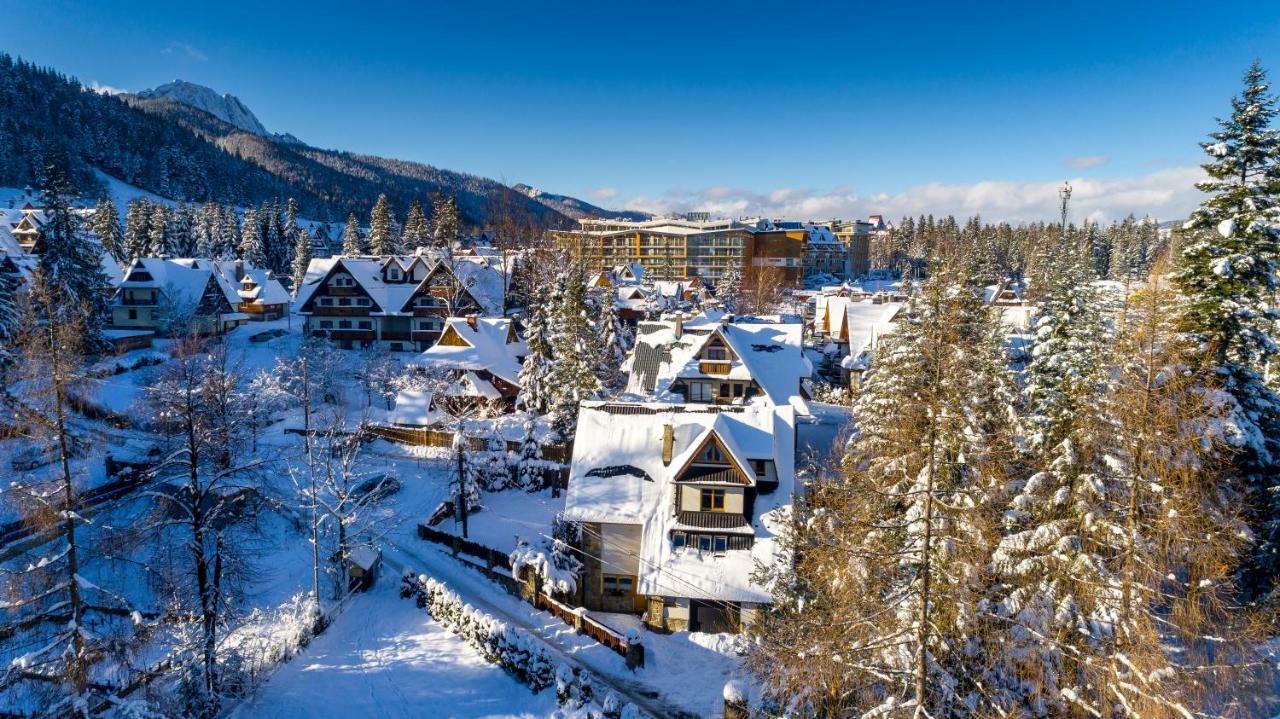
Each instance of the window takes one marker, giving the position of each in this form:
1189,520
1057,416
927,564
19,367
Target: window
704,543
393,274
133,314
713,454
712,500
343,281
344,301
326,302
617,584
724,389
699,392
678,540
761,469
344,324
737,390
365,324
326,324
721,543
717,354
362,302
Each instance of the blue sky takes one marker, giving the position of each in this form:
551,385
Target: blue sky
795,108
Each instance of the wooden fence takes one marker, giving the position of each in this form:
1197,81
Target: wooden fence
425,437
574,617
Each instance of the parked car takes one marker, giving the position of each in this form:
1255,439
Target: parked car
378,487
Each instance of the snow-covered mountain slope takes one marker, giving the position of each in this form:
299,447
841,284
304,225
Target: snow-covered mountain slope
575,208
227,108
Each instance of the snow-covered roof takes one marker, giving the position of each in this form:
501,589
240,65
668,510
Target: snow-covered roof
487,348
415,408
181,281
484,279
267,290
618,476
768,352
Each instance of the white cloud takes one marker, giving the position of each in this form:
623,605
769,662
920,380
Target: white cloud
1165,194
603,194
186,50
106,89
1087,161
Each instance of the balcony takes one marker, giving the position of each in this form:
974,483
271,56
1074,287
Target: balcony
137,301
714,368
343,334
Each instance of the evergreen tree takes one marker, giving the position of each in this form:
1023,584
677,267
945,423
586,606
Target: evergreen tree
10,320
1118,556
289,234
137,235
575,347
381,238
531,469
301,260
417,233
534,393
161,237
185,220
881,613
106,225
71,265
251,240
448,226
615,343
352,242
1227,272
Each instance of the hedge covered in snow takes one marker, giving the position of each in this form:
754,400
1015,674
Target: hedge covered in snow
515,650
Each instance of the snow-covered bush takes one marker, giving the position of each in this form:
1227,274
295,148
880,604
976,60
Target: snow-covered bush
552,561
515,650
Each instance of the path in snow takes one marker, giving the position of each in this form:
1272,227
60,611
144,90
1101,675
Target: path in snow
384,657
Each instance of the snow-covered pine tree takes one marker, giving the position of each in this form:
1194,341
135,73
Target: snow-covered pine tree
880,614
575,347
1227,272
301,260
447,224
381,239
534,393
10,321
106,225
615,341
417,233
251,240
289,236
532,471
71,263
352,242
161,234
137,234
1114,575
185,220
1070,335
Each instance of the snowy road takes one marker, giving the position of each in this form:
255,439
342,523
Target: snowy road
385,657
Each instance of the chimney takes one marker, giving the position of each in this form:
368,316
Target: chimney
679,327
668,443
471,320
725,319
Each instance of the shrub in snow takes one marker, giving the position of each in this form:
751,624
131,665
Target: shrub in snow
513,649
552,561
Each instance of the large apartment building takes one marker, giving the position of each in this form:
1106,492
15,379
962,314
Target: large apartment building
684,248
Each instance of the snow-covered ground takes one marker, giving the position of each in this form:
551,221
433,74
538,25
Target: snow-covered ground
385,657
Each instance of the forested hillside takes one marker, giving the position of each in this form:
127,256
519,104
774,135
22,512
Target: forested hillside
187,154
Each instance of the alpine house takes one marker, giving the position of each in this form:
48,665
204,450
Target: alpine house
676,504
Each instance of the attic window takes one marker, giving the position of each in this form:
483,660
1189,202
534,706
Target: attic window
713,454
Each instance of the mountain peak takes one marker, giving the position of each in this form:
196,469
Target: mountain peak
226,107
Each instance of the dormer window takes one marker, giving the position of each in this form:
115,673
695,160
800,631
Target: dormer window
393,274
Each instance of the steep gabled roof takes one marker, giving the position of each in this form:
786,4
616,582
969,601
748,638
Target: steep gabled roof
487,349
617,476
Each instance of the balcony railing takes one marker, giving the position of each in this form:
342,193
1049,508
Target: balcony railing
717,368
